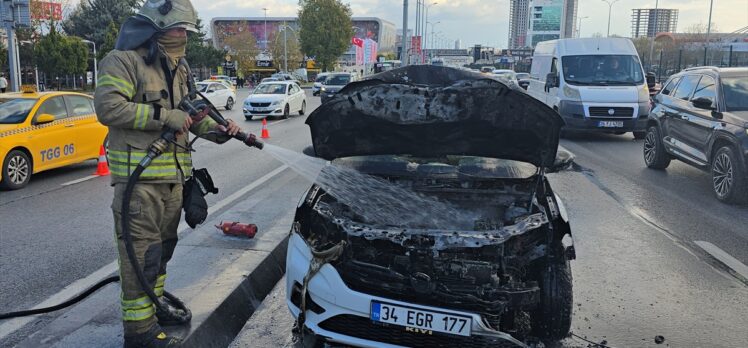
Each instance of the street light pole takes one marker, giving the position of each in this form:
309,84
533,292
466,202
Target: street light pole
266,28
96,68
405,39
285,47
610,9
708,30
427,11
654,36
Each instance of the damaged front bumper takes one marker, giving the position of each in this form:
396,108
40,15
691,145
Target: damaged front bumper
340,315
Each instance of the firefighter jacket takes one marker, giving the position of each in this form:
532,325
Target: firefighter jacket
132,99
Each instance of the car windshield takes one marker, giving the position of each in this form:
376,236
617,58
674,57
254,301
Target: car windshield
271,88
321,78
602,70
14,111
202,87
338,80
735,93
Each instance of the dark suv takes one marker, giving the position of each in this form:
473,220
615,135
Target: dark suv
701,117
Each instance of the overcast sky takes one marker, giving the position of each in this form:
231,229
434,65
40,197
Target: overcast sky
486,21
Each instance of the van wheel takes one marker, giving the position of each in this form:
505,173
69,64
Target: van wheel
728,177
17,170
655,156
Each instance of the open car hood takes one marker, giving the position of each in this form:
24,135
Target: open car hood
434,111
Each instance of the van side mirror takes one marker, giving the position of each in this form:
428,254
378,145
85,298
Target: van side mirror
551,81
651,80
705,103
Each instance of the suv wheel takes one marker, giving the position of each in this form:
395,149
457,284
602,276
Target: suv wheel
728,177
655,156
552,319
16,170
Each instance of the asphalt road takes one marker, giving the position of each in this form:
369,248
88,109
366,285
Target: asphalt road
53,233
638,272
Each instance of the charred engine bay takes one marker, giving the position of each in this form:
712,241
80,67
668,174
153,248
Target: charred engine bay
484,270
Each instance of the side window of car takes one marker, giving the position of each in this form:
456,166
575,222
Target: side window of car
686,87
670,86
220,87
55,107
706,88
78,106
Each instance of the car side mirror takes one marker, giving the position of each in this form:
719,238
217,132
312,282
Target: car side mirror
44,118
564,160
551,80
705,103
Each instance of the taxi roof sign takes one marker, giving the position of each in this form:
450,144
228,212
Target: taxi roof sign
28,88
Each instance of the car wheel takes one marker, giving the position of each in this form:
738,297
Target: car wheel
655,156
639,135
17,170
303,108
552,319
286,111
229,103
728,177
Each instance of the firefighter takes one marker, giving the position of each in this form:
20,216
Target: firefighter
139,87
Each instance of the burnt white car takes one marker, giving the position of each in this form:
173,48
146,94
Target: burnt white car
466,139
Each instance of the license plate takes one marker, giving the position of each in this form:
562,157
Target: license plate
421,321
610,124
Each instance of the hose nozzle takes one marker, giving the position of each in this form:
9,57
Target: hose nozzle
251,140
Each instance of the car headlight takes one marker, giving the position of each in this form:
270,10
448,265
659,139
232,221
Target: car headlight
572,93
277,102
323,89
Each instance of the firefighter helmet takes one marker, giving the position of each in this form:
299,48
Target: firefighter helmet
168,14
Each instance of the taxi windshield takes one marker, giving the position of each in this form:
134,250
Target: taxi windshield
14,111
271,89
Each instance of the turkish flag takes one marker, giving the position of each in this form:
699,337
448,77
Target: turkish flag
358,42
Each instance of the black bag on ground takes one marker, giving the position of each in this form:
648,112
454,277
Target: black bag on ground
193,195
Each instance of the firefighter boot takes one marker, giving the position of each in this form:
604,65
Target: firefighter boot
175,311
153,338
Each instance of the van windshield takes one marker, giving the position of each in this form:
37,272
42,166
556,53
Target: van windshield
602,70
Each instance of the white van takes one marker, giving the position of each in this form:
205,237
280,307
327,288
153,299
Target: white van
596,84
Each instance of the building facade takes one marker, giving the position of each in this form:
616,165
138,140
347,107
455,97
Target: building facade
550,20
648,22
518,22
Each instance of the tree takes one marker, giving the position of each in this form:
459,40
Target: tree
243,48
91,18
292,47
110,39
57,54
326,30
200,55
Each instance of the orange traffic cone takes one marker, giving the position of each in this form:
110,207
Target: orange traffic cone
265,134
103,168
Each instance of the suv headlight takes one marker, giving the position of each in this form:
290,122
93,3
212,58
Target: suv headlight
572,93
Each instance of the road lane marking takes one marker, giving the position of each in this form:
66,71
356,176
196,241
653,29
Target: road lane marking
76,287
80,180
722,256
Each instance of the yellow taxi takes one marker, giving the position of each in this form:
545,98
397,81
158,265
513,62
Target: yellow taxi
41,131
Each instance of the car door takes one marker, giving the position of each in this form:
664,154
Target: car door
298,95
678,126
222,94
290,97
663,110
699,124
212,95
88,134
552,92
53,144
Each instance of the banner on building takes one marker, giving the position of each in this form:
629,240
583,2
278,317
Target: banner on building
46,10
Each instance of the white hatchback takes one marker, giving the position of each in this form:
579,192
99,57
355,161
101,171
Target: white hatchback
277,98
218,94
